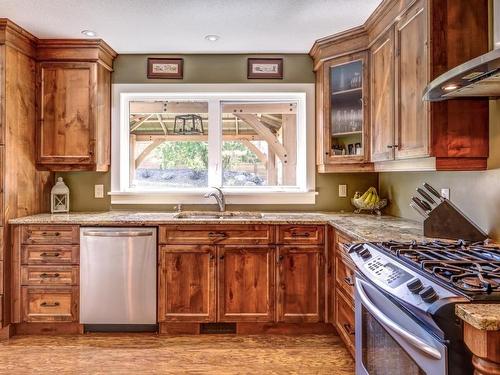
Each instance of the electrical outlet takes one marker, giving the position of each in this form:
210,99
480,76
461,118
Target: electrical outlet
343,191
98,191
445,193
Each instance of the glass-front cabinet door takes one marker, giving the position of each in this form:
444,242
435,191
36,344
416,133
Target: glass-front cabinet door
345,129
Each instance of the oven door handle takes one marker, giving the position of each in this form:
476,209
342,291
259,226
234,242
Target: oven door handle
379,315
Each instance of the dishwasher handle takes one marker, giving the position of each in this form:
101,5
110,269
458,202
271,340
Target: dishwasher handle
95,233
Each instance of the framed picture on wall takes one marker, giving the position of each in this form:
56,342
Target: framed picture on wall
265,68
165,68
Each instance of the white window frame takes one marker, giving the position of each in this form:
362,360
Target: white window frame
214,94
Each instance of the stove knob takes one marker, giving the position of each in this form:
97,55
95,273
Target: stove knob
428,294
365,254
415,286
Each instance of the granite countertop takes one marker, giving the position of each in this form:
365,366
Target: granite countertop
360,227
481,316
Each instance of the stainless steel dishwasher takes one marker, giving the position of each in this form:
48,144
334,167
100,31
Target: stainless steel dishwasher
118,278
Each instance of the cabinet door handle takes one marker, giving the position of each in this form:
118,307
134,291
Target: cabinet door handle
49,275
280,259
50,255
348,329
348,281
47,304
392,146
221,257
212,256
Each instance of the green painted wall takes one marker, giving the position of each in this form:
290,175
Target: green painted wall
477,194
216,69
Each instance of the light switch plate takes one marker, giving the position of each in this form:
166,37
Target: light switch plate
445,193
343,191
98,191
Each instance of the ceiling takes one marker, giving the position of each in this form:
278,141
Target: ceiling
179,26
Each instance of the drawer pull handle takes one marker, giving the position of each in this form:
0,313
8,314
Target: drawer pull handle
55,234
50,255
217,235
48,304
49,275
348,281
348,329
305,235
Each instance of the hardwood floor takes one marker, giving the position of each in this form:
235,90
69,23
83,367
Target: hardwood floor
152,354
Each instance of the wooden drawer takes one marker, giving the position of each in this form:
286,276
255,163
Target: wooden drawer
44,304
50,234
344,320
301,234
344,275
341,240
50,275
229,234
50,254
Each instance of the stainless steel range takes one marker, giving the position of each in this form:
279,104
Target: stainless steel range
405,298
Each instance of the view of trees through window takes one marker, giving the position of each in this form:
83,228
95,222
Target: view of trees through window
169,144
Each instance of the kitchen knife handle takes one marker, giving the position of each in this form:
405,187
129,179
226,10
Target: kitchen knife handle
419,203
426,196
433,191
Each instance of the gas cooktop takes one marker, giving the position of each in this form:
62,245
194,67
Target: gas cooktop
470,268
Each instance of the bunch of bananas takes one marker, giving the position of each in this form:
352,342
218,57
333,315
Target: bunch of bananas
368,201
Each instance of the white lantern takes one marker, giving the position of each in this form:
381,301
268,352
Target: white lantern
59,197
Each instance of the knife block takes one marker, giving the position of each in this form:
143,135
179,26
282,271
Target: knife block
448,222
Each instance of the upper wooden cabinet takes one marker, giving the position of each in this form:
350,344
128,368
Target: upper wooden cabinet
343,138
382,97
409,44
74,105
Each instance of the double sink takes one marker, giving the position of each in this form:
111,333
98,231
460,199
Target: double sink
218,215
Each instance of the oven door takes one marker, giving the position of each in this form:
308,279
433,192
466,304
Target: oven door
389,341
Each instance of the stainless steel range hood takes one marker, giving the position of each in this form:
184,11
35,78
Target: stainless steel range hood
479,77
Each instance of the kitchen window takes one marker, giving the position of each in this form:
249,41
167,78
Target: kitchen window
173,146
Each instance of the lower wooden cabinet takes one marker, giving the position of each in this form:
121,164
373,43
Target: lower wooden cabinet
54,304
186,290
300,284
246,283
344,320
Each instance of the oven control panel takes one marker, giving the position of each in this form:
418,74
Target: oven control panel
396,278
389,273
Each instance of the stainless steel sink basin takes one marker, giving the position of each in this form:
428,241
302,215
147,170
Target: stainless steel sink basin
218,215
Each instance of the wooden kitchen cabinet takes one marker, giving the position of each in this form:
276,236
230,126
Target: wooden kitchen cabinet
382,97
45,276
187,283
412,75
410,43
300,284
246,283
73,105
343,135
341,290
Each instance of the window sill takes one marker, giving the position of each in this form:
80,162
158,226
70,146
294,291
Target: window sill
196,196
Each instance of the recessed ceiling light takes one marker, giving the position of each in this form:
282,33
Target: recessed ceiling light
450,87
89,33
212,38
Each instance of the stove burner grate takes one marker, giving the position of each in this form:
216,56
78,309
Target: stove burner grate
469,267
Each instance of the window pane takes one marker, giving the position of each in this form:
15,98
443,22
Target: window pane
169,144
259,143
